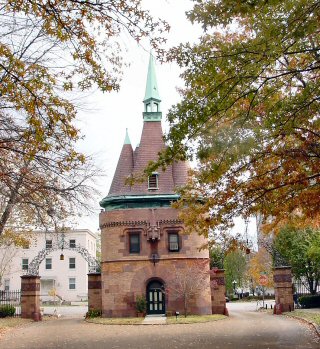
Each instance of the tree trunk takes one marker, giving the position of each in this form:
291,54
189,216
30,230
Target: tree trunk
10,204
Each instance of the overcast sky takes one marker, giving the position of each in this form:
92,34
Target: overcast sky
106,116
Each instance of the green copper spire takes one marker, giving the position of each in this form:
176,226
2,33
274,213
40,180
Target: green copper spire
127,139
152,91
151,98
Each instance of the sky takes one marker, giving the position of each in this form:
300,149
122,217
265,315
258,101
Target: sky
106,116
103,118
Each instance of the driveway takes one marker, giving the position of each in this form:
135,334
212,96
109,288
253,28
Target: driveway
245,328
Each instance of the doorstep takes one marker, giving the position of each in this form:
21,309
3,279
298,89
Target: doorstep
155,320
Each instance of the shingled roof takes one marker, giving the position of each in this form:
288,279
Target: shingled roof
134,162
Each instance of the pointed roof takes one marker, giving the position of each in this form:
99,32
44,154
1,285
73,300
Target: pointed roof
152,91
132,163
127,139
124,169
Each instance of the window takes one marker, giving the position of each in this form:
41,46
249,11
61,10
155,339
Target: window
48,244
148,108
72,263
72,243
153,181
134,243
48,263
6,284
156,107
25,263
173,242
72,283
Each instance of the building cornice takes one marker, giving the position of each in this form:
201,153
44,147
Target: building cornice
119,202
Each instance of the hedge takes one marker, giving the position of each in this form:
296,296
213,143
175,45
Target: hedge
312,301
7,310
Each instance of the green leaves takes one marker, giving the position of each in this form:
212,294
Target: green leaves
301,248
250,112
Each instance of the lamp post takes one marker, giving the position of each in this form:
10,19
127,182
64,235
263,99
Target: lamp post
234,282
62,246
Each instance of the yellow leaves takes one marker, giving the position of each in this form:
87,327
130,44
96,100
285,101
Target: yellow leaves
259,264
20,239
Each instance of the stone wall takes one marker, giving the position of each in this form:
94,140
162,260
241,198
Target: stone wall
30,297
94,291
218,291
283,289
124,281
126,275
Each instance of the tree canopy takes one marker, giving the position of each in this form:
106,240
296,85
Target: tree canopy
249,113
301,249
50,50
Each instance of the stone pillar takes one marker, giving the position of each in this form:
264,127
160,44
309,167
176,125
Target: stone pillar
218,291
30,297
94,291
283,290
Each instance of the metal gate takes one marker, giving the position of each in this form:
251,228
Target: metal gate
12,298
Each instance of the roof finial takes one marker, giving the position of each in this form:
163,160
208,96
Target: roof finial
151,86
127,139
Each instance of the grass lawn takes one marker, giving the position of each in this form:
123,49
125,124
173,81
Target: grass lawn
9,322
192,319
116,321
307,315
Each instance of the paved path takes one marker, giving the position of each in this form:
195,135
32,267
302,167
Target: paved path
245,328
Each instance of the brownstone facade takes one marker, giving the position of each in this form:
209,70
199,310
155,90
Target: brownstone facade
218,291
283,289
30,297
126,275
94,291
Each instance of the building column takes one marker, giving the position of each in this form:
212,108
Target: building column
30,297
218,291
94,291
283,290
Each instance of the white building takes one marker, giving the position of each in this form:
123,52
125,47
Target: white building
63,270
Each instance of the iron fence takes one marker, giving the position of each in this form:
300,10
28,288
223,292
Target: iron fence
301,288
11,298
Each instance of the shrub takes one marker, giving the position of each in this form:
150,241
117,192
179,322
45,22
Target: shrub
7,310
141,304
92,313
312,301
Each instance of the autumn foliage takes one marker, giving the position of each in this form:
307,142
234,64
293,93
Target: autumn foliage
249,114
50,52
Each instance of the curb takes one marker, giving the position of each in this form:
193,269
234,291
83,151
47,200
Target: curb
313,324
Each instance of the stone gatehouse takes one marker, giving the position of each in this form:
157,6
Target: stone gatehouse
142,236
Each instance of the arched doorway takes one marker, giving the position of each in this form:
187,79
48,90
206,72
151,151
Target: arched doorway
156,297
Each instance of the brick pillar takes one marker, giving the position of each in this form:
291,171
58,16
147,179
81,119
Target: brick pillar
218,291
283,289
30,297
94,291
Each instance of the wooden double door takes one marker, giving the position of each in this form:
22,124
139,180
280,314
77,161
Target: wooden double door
155,298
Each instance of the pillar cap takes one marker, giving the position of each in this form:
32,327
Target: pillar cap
30,277
282,267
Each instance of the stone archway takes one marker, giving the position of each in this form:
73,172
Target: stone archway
30,283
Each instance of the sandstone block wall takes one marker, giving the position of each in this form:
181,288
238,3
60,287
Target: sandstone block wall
218,291
30,297
283,289
124,281
126,275
94,291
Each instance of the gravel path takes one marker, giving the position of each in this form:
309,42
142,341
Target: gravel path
244,328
